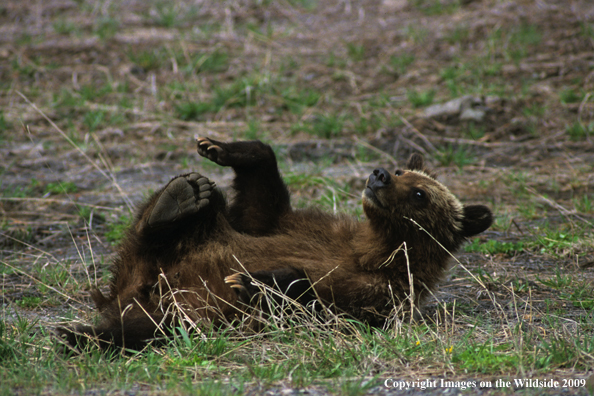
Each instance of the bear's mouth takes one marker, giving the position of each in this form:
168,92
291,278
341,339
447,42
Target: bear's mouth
371,196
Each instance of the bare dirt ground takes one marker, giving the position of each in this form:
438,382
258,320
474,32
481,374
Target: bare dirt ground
100,102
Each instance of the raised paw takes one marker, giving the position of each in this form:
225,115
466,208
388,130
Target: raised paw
183,196
213,150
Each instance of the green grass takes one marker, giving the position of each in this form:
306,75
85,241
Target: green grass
20,191
215,62
486,358
557,242
168,15
459,156
474,131
401,62
297,100
148,60
4,126
189,111
522,39
579,131
322,125
436,7
458,35
30,302
91,92
64,27
356,51
569,95
89,215
420,98
60,188
106,27
116,230
584,204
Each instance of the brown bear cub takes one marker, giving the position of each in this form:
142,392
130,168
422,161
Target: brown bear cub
189,251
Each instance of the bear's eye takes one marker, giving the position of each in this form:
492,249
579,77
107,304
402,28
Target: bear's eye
398,172
419,195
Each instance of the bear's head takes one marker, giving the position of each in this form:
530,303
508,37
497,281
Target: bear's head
404,202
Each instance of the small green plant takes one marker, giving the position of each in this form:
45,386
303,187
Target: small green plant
94,119
579,131
116,230
557,242
417,34
91,92
296,100
401,62
420,99
534,110
526,34
215,62
436,7
334,61
459,34
241,93
522,39
558,350
188,111
148,60
584,204
474,131
66,99
452,72
305,4
452,76
323,125
30,302
583,297
459,156
569,95
253,131
88,214
4,125
106,27
20,191
62,26
485,358
60,188
167,15
587,29
356,51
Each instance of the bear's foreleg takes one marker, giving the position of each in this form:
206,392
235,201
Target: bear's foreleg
261,196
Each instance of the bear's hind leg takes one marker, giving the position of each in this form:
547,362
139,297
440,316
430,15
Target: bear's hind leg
182,197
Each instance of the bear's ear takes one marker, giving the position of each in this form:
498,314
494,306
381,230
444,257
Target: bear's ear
477,218
416,162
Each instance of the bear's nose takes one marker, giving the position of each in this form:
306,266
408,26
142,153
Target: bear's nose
382,176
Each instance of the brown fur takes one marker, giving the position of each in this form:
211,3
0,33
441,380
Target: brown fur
186,241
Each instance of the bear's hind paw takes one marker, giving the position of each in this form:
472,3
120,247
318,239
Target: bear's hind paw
182,197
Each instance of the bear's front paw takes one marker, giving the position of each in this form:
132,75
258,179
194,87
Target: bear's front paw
242,285
183,196
213,150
